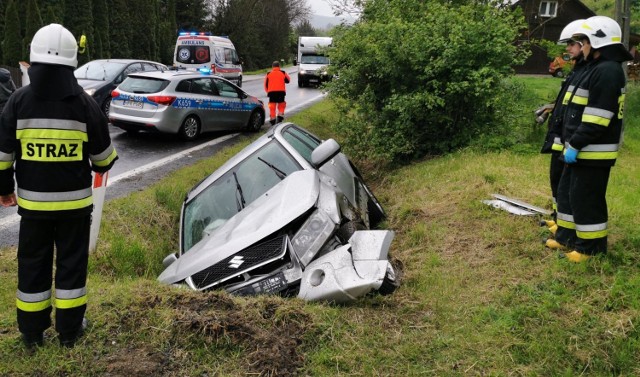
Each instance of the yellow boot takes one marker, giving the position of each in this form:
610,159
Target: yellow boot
553,227
576,257
553,244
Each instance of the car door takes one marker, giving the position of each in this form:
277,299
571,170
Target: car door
234,109
208,105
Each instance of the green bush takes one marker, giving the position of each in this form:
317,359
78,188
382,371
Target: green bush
418,78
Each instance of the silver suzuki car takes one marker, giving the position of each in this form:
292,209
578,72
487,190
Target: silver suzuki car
182,102
289,214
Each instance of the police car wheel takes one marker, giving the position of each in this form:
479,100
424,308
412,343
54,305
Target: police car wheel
256,120
190,128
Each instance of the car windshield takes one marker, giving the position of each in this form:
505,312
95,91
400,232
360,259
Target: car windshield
143,85
235,190
314,59
99,70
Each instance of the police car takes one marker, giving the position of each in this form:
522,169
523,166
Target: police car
185,103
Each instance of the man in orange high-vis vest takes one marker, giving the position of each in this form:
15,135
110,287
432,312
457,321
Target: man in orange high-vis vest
274,85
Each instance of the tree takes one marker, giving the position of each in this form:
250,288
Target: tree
102,44
12,42
78,19
420,77
260,29
143,31
191,14
33,24
118,29
305,29
167,31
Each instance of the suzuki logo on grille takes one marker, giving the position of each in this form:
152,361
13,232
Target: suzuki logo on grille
236,261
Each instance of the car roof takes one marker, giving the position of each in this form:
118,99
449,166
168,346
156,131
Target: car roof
170,74
125,61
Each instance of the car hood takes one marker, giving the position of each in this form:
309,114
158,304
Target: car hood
91,84
285,202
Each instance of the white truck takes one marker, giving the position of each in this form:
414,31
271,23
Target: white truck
311,60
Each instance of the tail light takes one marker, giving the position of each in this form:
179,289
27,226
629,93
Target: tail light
213,68
162,100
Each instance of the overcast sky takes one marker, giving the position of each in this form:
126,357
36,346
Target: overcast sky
320,8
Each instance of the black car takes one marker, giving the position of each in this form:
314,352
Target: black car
100,77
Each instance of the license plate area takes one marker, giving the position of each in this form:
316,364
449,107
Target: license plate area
272,284
134,104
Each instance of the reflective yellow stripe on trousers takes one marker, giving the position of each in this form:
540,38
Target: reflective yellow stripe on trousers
33,302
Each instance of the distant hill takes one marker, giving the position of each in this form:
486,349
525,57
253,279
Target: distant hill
326,22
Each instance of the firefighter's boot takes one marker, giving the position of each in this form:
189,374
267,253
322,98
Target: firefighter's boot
553,244
553,227
576,257
33,340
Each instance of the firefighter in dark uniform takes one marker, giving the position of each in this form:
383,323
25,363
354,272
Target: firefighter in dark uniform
274,85
592,135
553,141
55,134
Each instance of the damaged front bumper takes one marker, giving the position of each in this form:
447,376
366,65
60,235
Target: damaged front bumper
342,275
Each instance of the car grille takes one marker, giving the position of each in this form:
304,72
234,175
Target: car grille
252,257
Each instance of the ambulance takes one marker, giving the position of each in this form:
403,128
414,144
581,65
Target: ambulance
208,53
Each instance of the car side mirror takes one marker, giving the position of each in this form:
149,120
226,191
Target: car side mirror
324,152
169,259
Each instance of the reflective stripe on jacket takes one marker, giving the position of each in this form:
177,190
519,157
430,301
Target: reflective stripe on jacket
55,145
593,118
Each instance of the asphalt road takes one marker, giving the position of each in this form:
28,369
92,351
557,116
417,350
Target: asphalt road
146,157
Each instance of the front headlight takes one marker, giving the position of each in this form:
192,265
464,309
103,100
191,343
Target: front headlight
90,91
312,236
303,72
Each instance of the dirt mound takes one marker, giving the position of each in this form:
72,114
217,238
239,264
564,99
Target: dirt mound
270,328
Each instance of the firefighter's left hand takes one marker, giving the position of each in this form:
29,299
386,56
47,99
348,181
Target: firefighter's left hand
570,155
8,200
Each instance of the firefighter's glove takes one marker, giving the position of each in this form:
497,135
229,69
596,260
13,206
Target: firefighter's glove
570,155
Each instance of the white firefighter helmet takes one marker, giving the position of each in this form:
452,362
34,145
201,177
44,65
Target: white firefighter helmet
601,30
569,30
53,44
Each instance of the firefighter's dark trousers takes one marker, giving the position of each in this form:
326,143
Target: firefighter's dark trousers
582,209
35,266
556,167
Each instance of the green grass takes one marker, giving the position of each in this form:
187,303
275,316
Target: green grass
479,296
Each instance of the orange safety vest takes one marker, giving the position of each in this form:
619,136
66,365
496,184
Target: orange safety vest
275,80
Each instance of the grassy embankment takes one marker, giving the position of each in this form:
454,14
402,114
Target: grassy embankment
479,296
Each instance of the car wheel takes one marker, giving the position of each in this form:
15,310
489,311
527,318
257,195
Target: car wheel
256,120
190,128
559,73
299,82
391,281
105,106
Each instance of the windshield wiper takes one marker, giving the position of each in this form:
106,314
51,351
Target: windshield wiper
278,172
239,203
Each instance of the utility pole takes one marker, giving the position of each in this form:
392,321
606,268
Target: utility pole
623,17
